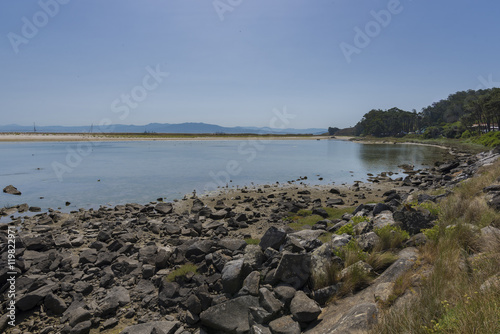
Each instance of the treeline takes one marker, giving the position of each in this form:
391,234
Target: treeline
462,114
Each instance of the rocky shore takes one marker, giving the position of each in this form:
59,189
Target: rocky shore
236,262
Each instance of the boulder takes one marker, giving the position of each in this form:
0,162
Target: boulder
55,304
273,238
382,219
414,221
230,316
82,328
251,284
78,315
359,319
293,269
284,325
270,303
368,241
10,189
303,308
232,276
31,299
164,208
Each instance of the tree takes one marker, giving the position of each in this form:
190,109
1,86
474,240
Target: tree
332,131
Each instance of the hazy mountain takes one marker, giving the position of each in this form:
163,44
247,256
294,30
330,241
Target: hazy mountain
160,128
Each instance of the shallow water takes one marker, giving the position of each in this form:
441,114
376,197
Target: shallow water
90,174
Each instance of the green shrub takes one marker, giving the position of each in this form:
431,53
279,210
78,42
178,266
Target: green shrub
347,228
432,233
391,237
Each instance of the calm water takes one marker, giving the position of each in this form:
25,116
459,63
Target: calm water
110,173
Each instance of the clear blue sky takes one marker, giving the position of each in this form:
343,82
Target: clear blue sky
263,55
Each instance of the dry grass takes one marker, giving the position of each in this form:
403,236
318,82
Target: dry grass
450,299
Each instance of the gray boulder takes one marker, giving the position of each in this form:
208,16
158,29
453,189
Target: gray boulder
284,325
368,241
10,189
164,208
294,269
359,319
273,238
230,316
303,308
232,276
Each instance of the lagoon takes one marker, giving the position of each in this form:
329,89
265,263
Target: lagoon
90,174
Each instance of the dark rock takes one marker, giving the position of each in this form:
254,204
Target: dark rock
220,214
82,328
253,259
158,327
233,244
284,325
147,255
334,191
334,201
323,295
55,304
258,315
294,269
270,303
320,212
31,299
285,294
230,316
193,305
447,167
88,255
273,238
379,207
83,287
413,221
10,189
303,308
495,202
164,208
78,315
197,206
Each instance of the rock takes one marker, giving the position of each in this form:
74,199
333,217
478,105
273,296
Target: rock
360,265
233,244
294,269
55,304
383,291
232,276
259,329
273,238
323,295
447,167
78,315
88,255
270,303
495,202
82,328
83,287
197,206
303,308
193,305
380,207
320,212
158,327
368,241
164,208
284,325
230,316
414,221
285,294
31,299
339,241
253,259
492,283
358,319
251,284
147,254
382,219
10,189
220,214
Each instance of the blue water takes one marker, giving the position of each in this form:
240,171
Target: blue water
109,173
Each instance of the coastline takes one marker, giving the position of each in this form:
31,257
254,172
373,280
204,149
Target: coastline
119,269
52,137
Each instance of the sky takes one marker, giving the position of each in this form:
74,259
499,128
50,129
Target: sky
239,62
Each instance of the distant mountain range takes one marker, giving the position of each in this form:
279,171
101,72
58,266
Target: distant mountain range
161,128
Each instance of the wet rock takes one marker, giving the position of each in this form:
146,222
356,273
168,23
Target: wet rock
303,308
10,189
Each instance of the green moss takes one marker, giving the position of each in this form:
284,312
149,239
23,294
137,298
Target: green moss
251,241
182,271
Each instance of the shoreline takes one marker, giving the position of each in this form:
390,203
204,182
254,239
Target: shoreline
53,137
